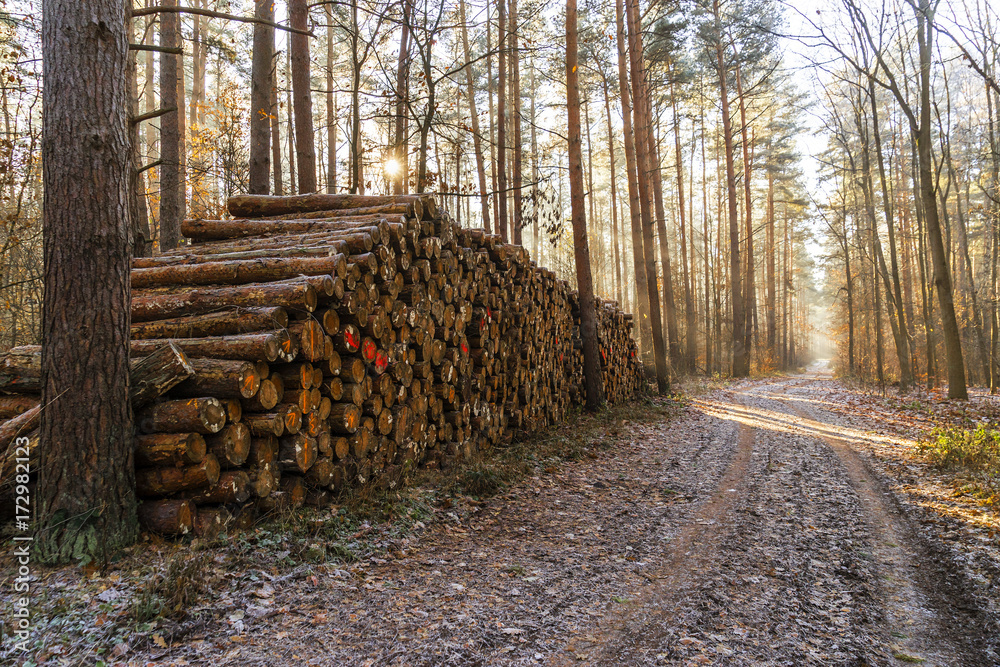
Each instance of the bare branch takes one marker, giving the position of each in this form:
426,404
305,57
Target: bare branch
146,11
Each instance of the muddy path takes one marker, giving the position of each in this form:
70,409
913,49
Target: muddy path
751,530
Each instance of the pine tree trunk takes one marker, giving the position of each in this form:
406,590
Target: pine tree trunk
770,250
493,132
502,119
331,108
197,69
631,167
279,187
750,287
171,194
740,359
86,498
994,234
535,237
260,102
152,130
477,142
644,169
515,112
290,137
691,354
305,138
589,195
140,237
400,181
709,358
614,191
588,314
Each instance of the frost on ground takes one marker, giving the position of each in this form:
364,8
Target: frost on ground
780,521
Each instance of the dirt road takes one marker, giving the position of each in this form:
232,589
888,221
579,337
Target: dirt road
751,530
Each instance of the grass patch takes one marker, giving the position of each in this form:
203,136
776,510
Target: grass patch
973,452
170,592
906,658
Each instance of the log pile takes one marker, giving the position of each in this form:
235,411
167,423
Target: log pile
334,340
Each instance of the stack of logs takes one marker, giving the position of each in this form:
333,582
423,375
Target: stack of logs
322,341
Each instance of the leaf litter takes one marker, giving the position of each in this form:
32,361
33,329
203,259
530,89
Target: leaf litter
727,532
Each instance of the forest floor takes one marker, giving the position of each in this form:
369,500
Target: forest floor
787,520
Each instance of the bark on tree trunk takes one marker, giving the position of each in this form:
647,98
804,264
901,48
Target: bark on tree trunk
260,100
614,191
691,355
290,139
86,498
140,237
171,194
331,108
638,253
942,275
477,142
770,250
740,360
399,184
588,315
279,187
643,171
493,134
893,290
305,139
515,112
502,120
750,287
356,176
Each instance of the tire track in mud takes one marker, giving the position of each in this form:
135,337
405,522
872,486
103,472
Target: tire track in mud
689,555
800,556
923,605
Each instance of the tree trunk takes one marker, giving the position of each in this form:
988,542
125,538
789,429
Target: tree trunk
86,498
638,253
515,112
894,290
535,250
260,100
502,120
849,281
741,366
477,142
709,360
279,187
942,275
994,234
750,287
770,250
357,186
290,138
643,171
399,183
691,355
614,191
331,108
197,69
588,315
493,135
589,196
305,138
171,194
140,237
152,129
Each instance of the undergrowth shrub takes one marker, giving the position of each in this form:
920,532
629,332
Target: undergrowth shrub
975,452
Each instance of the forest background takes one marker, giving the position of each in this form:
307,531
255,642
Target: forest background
814,189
